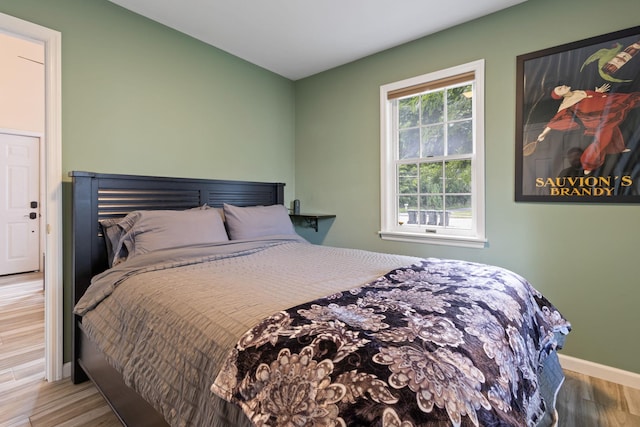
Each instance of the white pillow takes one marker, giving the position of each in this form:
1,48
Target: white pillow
257,221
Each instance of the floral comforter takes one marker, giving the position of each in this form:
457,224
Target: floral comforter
439,343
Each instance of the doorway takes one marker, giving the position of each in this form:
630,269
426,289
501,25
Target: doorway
51,202
21,129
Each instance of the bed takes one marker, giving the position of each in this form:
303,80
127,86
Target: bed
234,320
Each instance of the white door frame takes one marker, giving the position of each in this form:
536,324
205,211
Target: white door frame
52,202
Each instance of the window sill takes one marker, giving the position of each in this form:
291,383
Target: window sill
461,241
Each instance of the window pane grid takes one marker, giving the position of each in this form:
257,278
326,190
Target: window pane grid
423,198
429,126
433,126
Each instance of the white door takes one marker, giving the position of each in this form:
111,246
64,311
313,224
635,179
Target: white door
19,203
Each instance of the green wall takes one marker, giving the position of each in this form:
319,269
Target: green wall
140,98
581,256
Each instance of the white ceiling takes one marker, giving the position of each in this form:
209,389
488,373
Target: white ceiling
299,38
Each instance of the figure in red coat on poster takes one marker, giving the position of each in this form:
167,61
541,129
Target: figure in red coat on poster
599,113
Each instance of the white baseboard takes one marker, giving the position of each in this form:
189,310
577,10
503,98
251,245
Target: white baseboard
615,375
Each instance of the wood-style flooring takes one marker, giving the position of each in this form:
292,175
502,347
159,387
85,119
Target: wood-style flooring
27,400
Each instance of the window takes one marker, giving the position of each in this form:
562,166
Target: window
432,157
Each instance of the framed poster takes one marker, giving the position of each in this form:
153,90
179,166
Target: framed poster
578,121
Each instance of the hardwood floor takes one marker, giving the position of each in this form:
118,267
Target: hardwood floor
27,400
585,401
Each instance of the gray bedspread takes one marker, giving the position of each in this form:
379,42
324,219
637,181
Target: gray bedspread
168,320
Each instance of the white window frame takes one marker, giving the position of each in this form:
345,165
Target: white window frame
390,228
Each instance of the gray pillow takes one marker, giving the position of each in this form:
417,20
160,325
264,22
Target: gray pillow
113,232
155,230
257,221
